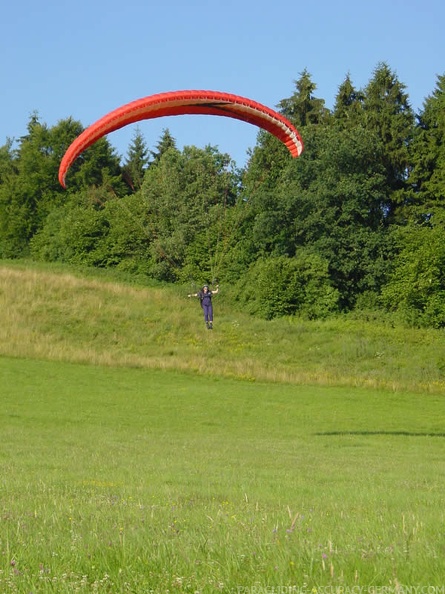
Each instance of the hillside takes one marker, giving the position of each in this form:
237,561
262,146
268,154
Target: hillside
54,314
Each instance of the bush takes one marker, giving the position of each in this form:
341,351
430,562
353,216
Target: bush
416,289
282,286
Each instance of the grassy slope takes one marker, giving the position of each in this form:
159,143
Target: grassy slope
51,314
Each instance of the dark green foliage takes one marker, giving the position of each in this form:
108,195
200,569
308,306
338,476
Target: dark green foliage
426,199
96,229
29,189
98,166
348,106
387,113
282,286
29,186
333,200
187,196
417,286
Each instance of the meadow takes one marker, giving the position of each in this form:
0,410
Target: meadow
55,314
141,453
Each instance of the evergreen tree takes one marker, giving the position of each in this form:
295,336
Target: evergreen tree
137,162
99,165
427,178
348,104
302,108
7,167
387,113
270,156
166,143
29,189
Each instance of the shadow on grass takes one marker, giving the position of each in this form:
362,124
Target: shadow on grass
395,433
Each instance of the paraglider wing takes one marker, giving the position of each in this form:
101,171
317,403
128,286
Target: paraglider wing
185,103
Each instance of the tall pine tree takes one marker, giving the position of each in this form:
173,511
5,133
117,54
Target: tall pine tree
348,106
136,162
388,114
427,177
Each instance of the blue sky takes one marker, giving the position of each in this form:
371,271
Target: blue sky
85,58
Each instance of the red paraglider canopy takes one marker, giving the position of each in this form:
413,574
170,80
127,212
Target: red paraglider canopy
185,103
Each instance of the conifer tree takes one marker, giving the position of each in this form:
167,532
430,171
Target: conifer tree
136,162
348,103
165,143
387,113
270,157
427,178
302,107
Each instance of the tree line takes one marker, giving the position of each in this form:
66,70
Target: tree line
355,224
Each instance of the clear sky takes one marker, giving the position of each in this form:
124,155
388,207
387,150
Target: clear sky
84,58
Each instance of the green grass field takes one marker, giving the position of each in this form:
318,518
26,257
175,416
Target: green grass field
122,472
